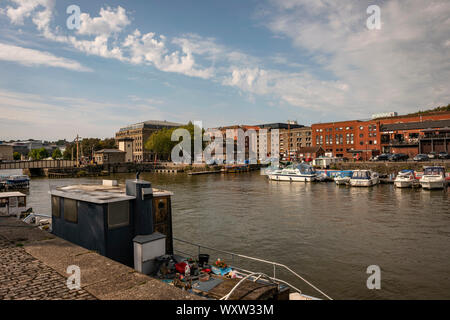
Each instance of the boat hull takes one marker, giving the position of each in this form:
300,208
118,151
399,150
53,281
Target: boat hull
363,182
403,183
291,178
342,181
432,184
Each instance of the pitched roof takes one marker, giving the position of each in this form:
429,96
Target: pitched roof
108,151
310,149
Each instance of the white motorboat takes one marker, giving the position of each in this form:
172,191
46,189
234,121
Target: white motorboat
405,179
364,178
433,178
272,169
295,173
343,177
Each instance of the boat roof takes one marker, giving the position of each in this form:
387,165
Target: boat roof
98,193
11,194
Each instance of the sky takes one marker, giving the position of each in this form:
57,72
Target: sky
219,62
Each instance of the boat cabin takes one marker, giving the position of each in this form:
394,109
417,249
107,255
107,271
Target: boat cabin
107,217
434,171
12,203
361,174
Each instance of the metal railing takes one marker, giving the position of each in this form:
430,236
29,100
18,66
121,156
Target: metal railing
272,263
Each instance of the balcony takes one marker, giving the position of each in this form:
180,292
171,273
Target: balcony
402,143
445,135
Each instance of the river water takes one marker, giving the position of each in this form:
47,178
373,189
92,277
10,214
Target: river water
329,234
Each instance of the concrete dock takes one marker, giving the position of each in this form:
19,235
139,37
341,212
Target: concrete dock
33,265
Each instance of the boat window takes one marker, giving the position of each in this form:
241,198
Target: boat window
118,214
56,211
70,210
22,202
3,202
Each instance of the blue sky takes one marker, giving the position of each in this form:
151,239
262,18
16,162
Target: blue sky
220,62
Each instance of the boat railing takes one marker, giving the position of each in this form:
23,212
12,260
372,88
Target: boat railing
274,265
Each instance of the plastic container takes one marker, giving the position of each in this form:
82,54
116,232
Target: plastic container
203,259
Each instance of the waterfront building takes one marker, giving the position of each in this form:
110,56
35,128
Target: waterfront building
309,153
109,156
435,140
139,133
292,140
6,152
126,145
363,139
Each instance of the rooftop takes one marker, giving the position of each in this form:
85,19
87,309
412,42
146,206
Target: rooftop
152,124
416,125
98,193
109,151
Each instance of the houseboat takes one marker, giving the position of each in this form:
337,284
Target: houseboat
405,179
301,172
364,178
12,203
433,178
14,182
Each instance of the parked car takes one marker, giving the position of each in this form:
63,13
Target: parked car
421,157
399,157
383,157
443,155
432,155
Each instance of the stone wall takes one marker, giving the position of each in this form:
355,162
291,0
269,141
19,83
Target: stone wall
389,167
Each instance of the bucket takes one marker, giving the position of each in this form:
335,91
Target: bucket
203,259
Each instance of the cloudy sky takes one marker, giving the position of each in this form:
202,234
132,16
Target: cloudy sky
220,62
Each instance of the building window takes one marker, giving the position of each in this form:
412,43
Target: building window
70,210
56,208
118,214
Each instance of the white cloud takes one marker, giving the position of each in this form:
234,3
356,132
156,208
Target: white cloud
31,57
110,20
50,117
400,67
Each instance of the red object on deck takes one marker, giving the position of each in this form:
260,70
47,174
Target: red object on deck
180,267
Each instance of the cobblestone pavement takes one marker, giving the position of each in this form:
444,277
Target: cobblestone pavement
24,277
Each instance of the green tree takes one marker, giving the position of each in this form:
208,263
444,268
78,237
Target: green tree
56,154
16,156
161,144
38,154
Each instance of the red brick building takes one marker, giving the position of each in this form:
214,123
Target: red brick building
362,139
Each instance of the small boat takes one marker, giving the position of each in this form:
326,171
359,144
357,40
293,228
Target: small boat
14,182
405,179
236,168
433,178
295,173
343,177
364,178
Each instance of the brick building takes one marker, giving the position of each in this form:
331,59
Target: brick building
362,139
139,133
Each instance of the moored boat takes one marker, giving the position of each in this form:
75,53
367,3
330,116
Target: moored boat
405,179
433,178
294,173
343,177
364,178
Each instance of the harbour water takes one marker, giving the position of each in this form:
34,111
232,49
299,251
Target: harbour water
329,234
